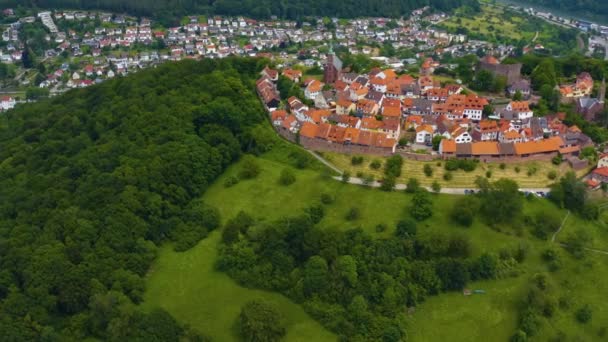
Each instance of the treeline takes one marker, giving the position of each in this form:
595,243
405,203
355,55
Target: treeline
359,286
595,7
170,11
92,180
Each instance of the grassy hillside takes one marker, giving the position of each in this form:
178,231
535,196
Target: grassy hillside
186,285
178,279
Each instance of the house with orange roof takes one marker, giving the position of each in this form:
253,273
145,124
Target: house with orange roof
387,74
437,94
391,127
391,112
313,89
309,130
272,74
293,75
486,130
522,108
370,123
367,107
600,175
277,117
379,84
510,136
318,115
291,124
544,146
345,107
426,83
485,149
424,134
413,121
447,147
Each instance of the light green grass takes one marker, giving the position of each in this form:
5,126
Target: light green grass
186,285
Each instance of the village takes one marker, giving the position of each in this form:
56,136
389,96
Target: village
79,49
382,112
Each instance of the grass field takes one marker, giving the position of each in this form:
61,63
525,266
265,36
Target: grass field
492,20
461,179
187,285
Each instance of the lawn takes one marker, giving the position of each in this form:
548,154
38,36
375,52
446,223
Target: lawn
415,169
187,285
492,20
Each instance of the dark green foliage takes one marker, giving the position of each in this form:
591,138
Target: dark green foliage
388,183
436,187
501,201
570,193
412,185
428,170
250,168
406,229
353,283
584,314
92,179
169,12
231,181
543,224
393,166
287,177
356,160
463,164
261,322
464,211
353,214
422,205
375,164
327,198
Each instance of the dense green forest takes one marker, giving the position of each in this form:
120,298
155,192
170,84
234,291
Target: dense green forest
93,180
359,286
596,7
172,10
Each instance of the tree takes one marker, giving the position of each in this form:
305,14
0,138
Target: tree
488,110
315,275
544,74
250,168
437,141
436,187
261,321
501,202
518,97
569,193
422,205
464,211
393,165
584,314
406,229
484,81
287,177
388,183
428,170
36,93
412,186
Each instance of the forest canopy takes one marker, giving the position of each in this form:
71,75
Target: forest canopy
91,181
170,11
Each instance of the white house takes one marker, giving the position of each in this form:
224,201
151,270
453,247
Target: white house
522,108
424,134
7,103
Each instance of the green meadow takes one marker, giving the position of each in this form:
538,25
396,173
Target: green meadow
187,285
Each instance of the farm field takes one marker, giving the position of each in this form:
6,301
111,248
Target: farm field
187,285
538,178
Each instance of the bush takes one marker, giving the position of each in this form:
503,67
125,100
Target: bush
428,170
583,315
464,210
345,176
532,169
463,164
388,183
250,168
353,214
327,198
406,229
412,185
261,321
422,206
231,181
375,164
552,175
436,187
368,179
517,169
356,160
380,228
359,174
489,174
503,166
558,159
287,177
448,176
393,166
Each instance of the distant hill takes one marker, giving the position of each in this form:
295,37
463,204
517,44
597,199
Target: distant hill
172,10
